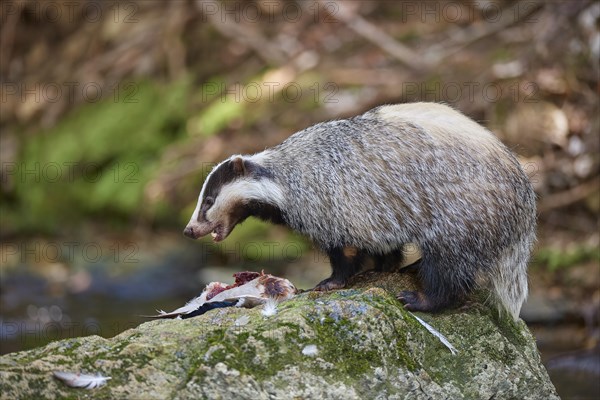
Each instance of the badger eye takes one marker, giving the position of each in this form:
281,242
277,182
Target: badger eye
206,204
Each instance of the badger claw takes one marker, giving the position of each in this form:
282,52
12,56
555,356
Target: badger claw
330,284
415,301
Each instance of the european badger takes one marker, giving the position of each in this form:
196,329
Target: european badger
365,186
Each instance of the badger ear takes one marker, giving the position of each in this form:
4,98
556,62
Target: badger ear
239,167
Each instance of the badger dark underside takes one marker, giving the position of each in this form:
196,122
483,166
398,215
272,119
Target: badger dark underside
264,211
347,261
446,277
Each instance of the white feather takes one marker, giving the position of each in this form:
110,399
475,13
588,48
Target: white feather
270,307
438,335
241,301
251,288
241,321
247,301
248,295
196,302
78,380
310,350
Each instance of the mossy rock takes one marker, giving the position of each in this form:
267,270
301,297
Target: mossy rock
364,346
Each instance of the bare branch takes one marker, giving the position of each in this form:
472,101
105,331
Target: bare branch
267,51
568,197
364,28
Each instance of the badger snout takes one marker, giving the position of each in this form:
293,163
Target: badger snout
189,232
195,231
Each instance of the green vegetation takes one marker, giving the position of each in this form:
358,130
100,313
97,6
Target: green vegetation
96,164
97,160
555,259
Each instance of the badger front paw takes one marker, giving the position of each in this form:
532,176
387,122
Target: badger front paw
330,284
415,301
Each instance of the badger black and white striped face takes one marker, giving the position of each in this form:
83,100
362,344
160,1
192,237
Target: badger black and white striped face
226,196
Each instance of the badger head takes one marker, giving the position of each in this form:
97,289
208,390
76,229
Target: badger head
227,195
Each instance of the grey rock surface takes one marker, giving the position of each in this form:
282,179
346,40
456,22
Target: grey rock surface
357,343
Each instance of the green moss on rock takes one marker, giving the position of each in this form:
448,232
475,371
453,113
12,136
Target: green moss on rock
367,346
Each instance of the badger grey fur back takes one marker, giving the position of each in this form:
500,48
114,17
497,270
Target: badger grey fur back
413,173
364,187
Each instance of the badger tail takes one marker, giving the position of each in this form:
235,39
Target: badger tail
509,282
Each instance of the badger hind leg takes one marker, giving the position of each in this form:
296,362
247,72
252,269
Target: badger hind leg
345,262
411,268
444,285
389,261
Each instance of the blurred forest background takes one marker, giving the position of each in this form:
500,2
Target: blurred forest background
112,113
